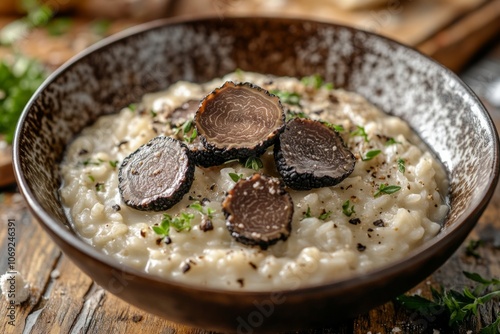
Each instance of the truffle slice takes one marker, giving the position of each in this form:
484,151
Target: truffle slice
310,155
184,113
239,120
258,211
157,175
203,157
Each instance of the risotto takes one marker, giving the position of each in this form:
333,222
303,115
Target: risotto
392,202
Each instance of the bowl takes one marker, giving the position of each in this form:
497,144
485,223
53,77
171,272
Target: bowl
401,81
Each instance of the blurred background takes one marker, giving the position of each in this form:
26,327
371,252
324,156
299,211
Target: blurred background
37,36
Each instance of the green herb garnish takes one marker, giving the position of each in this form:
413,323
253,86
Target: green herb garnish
59,26
325,215
179,223
99,186
91,178
132,107
370,155
201,209
307,214
287,97
401,165
292,114
385,189
458,306
360,131
113,163
18,81
391,141
346,210
338,128
235,177
190,138
254,163
315,81
471,249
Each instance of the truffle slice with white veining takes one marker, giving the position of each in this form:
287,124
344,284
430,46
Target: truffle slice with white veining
239,120
258,211
310,155
157,175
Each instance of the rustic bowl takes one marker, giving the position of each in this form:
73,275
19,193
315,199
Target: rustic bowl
401,81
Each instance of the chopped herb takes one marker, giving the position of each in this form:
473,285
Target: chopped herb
91,178
401,165
132,107
100,27
113,163
59,26
179,223
315,81
18,81
190,138
457,306
370,155
200,208
360,131
99,186
254,163
88,162
235,177
287,97
292,114
346,210
471,249
307,214
338,128
493,328
328,85
325,215
187,126
385,189
153,113
391,141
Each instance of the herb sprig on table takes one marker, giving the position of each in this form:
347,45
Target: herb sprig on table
18,81
457,306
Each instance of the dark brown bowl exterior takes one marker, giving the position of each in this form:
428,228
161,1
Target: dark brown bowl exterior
109,76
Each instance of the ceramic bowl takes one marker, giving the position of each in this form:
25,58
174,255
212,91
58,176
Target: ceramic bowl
401,81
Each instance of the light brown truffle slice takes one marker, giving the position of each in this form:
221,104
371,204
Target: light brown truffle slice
239,120
157,175
310,155
258,211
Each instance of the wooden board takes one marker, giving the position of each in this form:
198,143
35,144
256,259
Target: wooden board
6,170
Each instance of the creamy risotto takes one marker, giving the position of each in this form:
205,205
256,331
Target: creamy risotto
393,201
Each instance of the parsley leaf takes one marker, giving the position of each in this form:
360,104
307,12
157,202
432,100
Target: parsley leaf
59,26
235,177
325,215
471,249
346,210
392,141
314,81
179,223
457,306
201,209
385,189
370,155
338,128
292,114
307,214
360,131
401,165
254,163
18,81
287,97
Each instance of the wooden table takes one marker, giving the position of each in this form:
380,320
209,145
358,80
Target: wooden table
65,300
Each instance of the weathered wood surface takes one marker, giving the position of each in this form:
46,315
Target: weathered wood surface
64,300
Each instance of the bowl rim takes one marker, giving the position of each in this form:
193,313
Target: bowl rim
422,254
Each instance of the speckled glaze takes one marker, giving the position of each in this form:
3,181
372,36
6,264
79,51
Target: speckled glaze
118,71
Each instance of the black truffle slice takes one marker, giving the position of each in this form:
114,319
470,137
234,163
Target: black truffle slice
258,211
202,156
310,155
184,113
157,175
239,120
